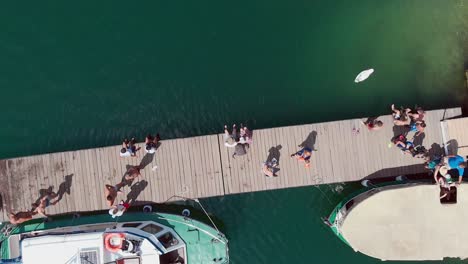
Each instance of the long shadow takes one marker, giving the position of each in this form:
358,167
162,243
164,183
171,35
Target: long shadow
65,187
274,153
146,160
309,141
393,172
435,151
452,147
135,191
418,140
400,130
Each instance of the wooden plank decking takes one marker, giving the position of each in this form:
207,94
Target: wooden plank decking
203,167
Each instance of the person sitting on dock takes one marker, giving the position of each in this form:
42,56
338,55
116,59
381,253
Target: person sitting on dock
230,139
269,168
20,217
45,202
303,155
373,124
418,127
402,143
418,115
245,135
128,148
151,143
456,162
400,117
444,180
111,193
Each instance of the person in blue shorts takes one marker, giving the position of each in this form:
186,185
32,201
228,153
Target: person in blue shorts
456,162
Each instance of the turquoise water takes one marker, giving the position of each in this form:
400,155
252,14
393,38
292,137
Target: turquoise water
84,75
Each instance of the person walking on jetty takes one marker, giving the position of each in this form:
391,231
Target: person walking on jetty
151,143
303,155
111,193
129,148
373,124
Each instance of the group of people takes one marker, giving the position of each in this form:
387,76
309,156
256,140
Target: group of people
447,168
444,168
129,148
413,121
240,141
111,192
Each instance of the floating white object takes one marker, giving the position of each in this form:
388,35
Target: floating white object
363,75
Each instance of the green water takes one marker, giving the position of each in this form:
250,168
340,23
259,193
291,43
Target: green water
87,74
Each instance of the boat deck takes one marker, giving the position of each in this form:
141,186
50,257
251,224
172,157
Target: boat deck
202,166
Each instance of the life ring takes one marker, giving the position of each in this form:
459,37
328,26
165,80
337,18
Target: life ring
113,241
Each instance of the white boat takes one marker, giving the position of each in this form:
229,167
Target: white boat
362,76
404,221
137,238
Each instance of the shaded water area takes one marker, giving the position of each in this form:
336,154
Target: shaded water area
79,75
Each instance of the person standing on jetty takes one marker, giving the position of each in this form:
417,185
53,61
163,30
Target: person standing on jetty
303,155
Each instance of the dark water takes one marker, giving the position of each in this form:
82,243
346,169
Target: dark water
79,75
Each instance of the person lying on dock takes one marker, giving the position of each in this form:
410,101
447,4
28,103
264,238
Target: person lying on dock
151,143
456,162
111,193
373,124
400,117
303,155
20,217
45,202
128,148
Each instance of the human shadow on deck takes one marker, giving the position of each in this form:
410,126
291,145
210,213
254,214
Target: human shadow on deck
135,191
418,140
65,187
435,151
399,130
309,142
274,153
397,171
452,147
146,160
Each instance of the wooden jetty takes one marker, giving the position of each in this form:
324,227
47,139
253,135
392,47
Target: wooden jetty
202,166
